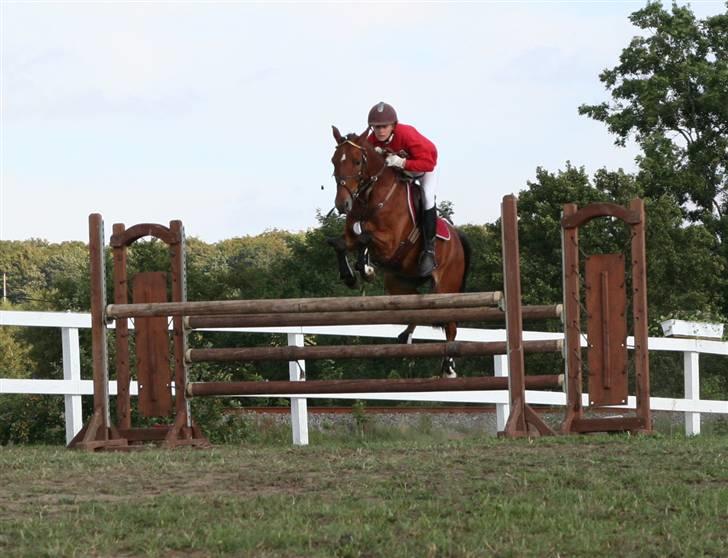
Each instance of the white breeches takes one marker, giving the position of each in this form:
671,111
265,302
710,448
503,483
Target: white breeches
428,181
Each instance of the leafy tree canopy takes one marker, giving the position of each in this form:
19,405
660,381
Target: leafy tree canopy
670,92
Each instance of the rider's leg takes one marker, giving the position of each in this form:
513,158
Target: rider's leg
427,258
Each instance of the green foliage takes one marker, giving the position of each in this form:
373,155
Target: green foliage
31,419
446,209
670,92
44,276
361,419
15,352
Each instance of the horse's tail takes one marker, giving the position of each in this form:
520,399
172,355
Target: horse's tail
467,252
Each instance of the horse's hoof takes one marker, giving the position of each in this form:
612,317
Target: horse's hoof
448,368
368,273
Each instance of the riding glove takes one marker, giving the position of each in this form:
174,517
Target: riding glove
395,161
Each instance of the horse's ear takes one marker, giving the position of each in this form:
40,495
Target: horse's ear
362,138
337,135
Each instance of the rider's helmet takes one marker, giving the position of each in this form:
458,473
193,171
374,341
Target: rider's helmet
382,114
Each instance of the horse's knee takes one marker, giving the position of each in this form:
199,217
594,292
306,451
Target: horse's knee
337,243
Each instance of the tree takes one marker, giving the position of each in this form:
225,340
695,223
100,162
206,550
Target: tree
670,91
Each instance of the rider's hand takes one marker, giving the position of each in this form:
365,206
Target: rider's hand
395,161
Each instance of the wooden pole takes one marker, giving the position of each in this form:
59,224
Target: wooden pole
449,349
295,305
97,432
639,313
98,321
521,416
572,318
485,383
179,294
367,317
121,334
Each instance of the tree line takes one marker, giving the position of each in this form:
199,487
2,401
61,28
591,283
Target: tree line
669,92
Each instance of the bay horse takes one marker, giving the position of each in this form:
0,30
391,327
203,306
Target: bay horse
381,227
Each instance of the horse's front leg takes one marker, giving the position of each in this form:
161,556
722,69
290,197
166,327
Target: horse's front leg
363,265
345,271
448,363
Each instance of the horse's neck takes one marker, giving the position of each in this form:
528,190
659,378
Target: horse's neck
387,204
381,193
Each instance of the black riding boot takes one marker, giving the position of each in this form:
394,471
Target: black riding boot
427,262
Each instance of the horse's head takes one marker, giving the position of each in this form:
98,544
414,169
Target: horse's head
356,167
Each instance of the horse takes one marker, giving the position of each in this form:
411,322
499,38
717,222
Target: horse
381,226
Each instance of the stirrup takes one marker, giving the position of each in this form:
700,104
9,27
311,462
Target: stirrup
427,263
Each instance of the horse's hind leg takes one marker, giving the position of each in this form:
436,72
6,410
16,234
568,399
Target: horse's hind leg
448,363
345,272
395,286
406,335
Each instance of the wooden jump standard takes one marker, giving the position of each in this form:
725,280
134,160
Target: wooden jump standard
606,308
151,310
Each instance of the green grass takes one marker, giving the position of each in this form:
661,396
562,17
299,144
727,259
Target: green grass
567,496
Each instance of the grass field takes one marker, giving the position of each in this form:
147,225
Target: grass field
575,496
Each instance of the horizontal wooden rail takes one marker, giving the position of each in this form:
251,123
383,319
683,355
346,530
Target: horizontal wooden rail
293,305
434,316
449,349
486,383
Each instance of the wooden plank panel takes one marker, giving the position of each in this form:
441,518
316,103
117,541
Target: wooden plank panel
606,305
609,424
152,348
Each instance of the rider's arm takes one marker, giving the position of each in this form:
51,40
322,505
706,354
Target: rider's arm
422,152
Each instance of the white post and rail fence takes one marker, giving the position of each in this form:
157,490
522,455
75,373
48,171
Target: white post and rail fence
72,387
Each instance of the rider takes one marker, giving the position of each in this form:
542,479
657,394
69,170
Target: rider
414,154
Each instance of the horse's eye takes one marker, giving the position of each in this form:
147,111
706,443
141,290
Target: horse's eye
357,162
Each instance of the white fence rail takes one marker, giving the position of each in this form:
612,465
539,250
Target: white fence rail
72,387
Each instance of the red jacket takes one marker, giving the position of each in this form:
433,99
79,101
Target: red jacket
421,152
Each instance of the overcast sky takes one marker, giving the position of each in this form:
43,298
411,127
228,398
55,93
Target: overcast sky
220,113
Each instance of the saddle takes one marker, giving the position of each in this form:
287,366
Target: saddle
414,203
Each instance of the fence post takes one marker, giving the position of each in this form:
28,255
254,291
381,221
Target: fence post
502,410
691,370
72,372
299,405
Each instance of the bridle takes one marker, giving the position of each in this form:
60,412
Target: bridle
363,182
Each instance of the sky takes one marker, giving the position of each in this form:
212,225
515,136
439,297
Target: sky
220,113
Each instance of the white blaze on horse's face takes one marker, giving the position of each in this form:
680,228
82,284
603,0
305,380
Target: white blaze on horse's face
347,173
